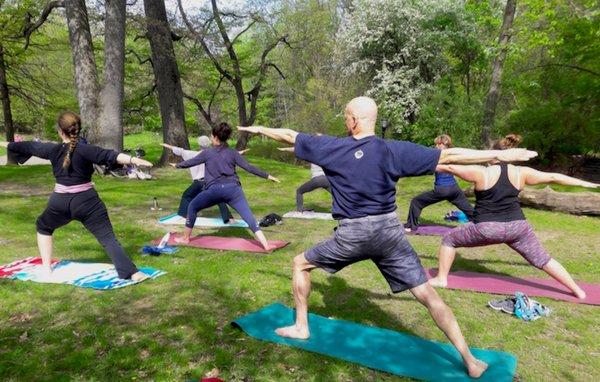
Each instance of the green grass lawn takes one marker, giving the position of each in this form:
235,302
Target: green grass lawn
177,327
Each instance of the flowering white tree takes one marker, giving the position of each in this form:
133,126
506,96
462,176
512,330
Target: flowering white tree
399,47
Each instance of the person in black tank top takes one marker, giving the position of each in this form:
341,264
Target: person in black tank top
445,188
500,203
74,197
499,219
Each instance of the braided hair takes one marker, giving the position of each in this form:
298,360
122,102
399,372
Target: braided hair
70,125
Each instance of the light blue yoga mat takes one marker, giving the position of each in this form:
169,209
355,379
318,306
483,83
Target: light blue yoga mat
377,348
201,221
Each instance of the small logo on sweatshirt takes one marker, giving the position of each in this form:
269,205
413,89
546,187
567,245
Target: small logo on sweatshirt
359,154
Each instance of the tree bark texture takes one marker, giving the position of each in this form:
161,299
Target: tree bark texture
168,81
110,121
84,63
6,111
493,96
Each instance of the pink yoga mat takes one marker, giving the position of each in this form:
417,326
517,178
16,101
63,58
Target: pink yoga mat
226,243
500,284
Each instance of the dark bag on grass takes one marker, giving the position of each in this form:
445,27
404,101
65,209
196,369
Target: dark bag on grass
270,219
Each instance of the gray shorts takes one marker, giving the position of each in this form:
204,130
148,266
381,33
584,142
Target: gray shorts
379,238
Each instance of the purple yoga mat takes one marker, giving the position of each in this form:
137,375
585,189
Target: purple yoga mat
500,284
432,230
226,243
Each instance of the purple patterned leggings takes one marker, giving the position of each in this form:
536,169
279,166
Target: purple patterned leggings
517,234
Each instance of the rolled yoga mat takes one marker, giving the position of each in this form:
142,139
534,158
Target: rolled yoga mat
432,230
500,284
226,243
377,348
201,221
308,215
86,275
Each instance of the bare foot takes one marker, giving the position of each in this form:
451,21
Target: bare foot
139,276
293,332
476,368
580,294
232,221
407,230
436,282
182,240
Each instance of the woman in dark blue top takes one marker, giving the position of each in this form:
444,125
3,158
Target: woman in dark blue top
222,182
74,196
445,188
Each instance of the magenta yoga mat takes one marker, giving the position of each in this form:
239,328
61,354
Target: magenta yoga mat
226,243
500,284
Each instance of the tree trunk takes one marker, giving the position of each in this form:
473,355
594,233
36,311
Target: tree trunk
5,95
86,77
168,82
110,122
576,203
493,96
242,117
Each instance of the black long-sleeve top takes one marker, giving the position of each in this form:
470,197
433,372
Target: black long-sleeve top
82,160
220,163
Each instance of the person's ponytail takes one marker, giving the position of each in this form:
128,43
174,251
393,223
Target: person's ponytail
70,125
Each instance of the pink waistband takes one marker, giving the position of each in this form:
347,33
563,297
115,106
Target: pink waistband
60,189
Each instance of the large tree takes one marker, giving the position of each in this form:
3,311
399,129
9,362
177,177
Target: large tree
100,105
229,65
493,95
168,80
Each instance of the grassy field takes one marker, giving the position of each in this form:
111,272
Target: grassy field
177,327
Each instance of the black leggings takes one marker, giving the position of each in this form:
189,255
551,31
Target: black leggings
87,208
452,193
191,192
316,182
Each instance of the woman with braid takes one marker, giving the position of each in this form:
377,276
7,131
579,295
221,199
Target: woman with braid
74,196
498,216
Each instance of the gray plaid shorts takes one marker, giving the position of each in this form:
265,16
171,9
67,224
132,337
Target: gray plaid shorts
379,238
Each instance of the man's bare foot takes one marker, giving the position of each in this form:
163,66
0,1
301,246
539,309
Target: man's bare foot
580,294
232,221
436,282
293,332
476,368
139,276
182,240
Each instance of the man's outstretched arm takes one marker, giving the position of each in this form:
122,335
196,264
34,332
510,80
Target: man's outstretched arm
280,135
457,155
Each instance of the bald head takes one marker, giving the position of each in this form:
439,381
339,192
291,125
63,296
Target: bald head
361,116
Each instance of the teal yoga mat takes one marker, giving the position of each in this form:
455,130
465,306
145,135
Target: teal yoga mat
377,348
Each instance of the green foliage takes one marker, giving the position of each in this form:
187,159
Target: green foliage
555,82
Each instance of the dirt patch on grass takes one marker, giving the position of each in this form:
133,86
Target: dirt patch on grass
23,189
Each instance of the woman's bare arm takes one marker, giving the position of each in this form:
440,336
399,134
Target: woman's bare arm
473,174
126,159
533,177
